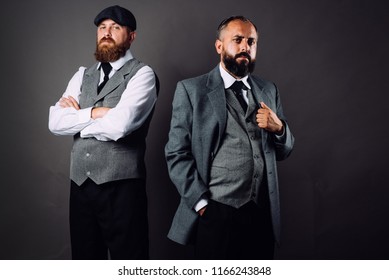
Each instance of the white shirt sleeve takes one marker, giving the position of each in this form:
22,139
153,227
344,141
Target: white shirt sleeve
69,121
201,204
135,105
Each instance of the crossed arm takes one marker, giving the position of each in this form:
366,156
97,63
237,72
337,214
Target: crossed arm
102,123
70,102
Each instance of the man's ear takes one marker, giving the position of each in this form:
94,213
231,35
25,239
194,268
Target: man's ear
132,36
219,46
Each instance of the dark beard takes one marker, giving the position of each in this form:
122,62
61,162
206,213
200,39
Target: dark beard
110,53
239,69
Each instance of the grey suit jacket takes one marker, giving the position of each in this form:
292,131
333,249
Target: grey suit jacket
197,127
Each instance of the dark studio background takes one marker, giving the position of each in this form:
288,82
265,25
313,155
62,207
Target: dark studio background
328,58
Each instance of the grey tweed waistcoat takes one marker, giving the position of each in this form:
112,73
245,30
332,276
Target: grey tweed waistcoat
104,161
238,167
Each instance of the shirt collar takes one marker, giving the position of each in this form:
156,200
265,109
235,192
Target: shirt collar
116,65
229,80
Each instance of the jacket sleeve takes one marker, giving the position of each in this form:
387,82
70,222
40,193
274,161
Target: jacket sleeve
180,160
284,143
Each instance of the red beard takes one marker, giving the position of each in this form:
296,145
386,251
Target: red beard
110,52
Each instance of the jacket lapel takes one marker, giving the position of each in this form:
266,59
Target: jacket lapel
115,80
253,104
260,95
217,97
112,84
91,80
233,101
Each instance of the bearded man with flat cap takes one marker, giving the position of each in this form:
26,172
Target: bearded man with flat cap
107,108
227,131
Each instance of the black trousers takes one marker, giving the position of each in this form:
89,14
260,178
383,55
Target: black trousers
225,232
109,220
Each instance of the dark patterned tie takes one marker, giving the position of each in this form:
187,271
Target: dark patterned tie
237,88
107,69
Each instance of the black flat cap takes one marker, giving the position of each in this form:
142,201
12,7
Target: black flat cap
119,15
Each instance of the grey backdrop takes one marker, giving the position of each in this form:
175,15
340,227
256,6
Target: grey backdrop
328,58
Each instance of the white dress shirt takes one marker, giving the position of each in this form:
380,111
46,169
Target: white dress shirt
229,80
135,105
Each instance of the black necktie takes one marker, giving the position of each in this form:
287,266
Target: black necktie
237,87
107,69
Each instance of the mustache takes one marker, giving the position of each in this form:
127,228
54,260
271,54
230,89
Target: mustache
243,54
106,40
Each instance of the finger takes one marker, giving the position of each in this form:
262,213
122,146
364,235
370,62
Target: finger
64,102
202,210
262,124
74,102
263,105
71,98
261,111
261,120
